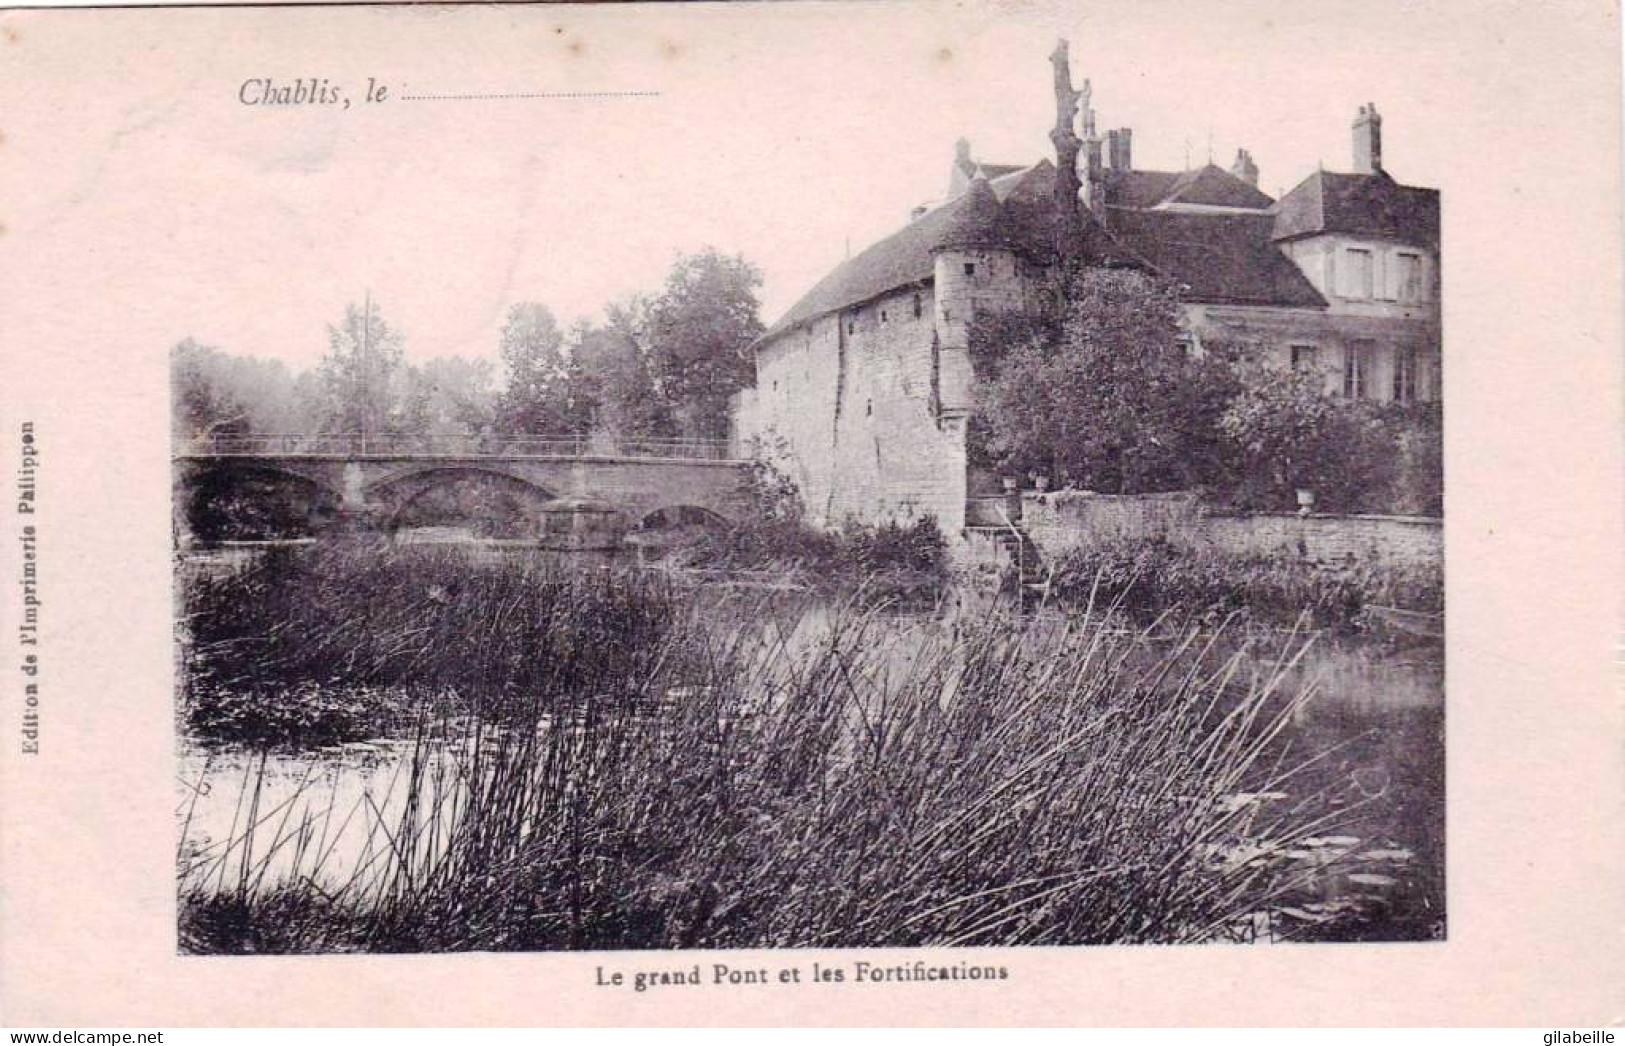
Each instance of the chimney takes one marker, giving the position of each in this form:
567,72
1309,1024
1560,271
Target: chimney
1244,167
960,172
1368,140
961,169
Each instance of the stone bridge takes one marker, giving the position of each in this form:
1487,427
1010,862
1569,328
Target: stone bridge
556,491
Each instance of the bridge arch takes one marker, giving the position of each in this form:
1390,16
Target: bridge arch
677,516
246,500
492,502
382,476
658,532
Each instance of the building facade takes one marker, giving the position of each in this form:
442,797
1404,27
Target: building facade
863,387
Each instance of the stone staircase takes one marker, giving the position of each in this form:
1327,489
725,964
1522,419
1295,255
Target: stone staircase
992,525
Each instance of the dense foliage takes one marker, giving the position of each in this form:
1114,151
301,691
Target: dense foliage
361,379
697,332
1283,434
657,366
1098,387
277,636
537,396
613,378
217,393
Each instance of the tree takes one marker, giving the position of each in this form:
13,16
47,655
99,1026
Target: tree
449,395
1287,435
1418,486
613,374
538,394
309,395
200,405
362,376
219,393
1097,386
697,332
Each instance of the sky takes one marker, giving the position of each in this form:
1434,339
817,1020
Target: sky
789,133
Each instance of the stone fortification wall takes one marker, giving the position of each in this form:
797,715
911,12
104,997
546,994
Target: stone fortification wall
1061,521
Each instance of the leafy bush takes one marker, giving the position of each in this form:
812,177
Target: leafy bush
1417,483
888,558
870,549
1093,386
771,494
1098,387
1284,434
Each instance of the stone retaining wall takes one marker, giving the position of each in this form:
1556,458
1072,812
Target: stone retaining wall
1060,521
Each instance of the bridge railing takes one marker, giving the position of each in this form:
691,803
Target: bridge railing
457,445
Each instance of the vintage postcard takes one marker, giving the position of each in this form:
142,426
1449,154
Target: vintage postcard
812,513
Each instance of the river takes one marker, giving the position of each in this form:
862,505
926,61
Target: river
1375,725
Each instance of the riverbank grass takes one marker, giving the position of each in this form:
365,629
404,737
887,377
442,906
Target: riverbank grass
627,766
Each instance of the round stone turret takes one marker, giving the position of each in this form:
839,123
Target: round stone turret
973,219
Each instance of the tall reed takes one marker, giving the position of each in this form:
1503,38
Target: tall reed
728,775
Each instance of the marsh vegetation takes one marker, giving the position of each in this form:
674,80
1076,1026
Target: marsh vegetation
397,748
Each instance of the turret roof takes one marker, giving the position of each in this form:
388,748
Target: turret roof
973,219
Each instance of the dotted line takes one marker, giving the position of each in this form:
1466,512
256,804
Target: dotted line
538,94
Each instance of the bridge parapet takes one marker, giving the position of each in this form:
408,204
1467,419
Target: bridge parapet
454,445
345,483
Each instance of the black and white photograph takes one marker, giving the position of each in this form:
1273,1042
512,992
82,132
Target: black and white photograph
1062,566
819,511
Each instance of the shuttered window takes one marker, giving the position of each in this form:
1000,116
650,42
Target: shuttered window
1358,274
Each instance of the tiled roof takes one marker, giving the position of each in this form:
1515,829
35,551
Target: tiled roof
1221,257
1359,204
1213,186
1227,259
903,257
1210,186
1024,178
1013,212
965,170
1138,188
